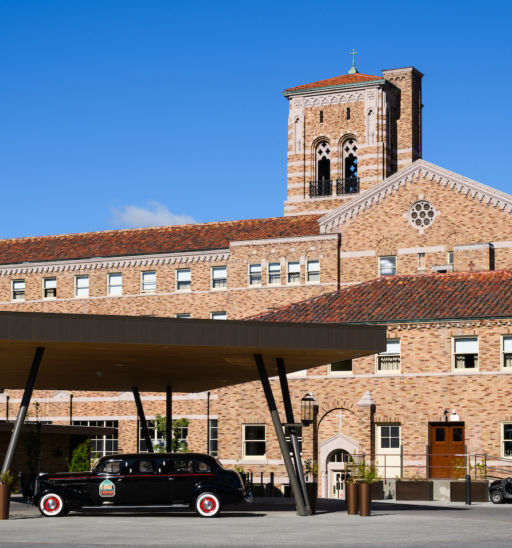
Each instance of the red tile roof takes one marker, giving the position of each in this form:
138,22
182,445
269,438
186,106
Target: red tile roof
407,298
141,241
338,81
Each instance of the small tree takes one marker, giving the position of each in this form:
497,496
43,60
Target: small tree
177,445
81,457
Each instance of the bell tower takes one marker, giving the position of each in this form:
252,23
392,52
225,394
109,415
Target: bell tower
348,133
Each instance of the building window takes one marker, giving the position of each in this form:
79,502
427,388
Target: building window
422,261
506,450
213,447
81,286
294,273
506,352
298,431
389,437
157,438
50,288
449,257
115,284
313,271
255,274
321,116
148,282
387,265
218,316
18,290
348,113
253,440
183,279
185,315
390,359
465,352
340,368
219,277
349,152
323,165
274,273
103,444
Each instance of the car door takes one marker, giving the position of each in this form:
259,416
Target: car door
106,485
182,480
144,485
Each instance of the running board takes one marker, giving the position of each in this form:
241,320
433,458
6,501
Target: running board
119,507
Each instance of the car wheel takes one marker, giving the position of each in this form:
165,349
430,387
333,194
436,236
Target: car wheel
52,505
496,497
207,505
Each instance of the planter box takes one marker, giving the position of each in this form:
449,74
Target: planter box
479,491
414,490
378,490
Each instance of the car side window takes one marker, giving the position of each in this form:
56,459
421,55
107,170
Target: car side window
183,466
144,467
202,466
110,467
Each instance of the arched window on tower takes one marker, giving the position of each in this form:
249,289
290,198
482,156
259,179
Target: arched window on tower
350,180
323,169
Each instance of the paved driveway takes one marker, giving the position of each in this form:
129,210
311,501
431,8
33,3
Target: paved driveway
269,522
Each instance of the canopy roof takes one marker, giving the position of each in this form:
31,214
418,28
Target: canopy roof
89,352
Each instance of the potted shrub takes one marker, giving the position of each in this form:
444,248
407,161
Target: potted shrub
415,488
6,480
367,477
311,473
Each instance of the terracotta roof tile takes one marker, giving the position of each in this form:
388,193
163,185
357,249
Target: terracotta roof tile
406,298
338,81
141,241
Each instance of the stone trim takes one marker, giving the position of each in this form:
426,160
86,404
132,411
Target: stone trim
65,418
116,262
470,247
435,174
414,250
289,240
357,254
128,396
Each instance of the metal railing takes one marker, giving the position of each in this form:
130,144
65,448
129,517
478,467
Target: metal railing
325,187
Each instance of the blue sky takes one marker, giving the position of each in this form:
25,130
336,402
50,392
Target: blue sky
128,113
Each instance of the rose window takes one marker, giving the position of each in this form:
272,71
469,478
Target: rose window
421,214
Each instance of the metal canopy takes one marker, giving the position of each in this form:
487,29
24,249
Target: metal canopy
91,352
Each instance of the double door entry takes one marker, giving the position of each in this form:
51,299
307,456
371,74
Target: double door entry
447,450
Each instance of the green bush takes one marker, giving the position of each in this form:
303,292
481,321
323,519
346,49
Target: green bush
81,458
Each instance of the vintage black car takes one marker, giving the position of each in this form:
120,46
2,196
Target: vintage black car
147,480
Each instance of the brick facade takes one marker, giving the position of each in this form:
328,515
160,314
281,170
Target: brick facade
470,231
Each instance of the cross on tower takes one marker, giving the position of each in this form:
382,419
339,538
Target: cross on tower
353,69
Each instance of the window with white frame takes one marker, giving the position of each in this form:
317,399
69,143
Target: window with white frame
148,281
340,368
506,440
287,437
183,279
157,438
50,288
274,273
219,277
18,290
253,441
465,353
506,352
313,271
81,286
213,444
115,284
390,359
389,436
218,316
101,445
387,265
255,274
422,261
294,272
449,257
183,315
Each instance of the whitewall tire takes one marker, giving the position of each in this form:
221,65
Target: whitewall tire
207,505
52,505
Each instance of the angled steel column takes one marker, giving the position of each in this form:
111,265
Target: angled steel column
22,412
302,509
142,419
168,419
293,432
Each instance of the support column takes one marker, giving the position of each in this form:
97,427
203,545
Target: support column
293,432
142,420
168,419
294,482
22,412
208,423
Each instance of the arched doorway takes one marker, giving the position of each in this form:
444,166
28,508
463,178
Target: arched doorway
336,472
333,456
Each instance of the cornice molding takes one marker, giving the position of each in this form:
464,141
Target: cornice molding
115,262
418,169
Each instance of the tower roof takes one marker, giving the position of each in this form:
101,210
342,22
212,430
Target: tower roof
342,80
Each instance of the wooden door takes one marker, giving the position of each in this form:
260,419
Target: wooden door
447,459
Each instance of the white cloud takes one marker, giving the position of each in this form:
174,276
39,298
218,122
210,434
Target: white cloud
155,214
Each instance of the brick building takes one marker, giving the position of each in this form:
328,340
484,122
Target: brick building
371,233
